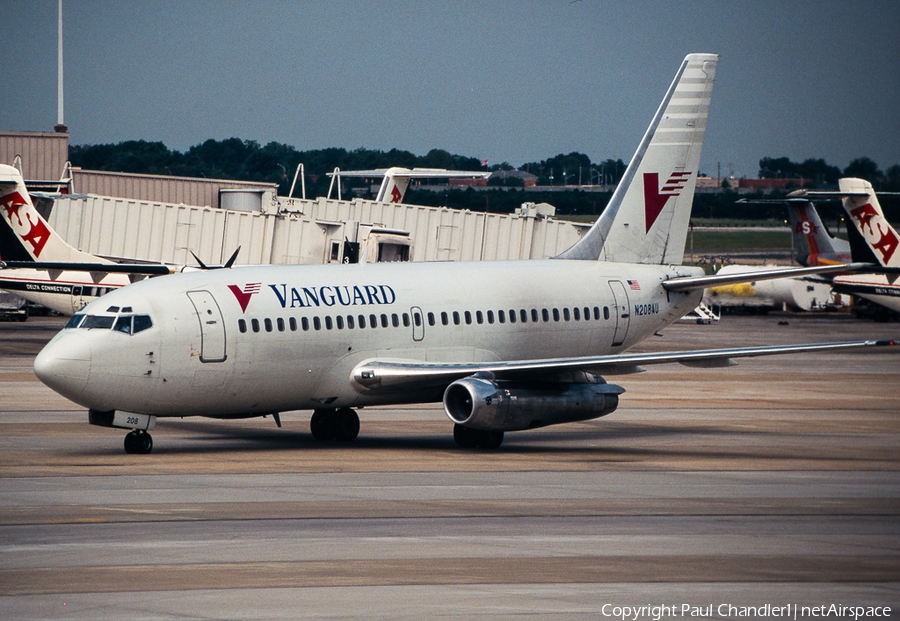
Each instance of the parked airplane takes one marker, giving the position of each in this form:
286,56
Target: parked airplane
506,345
38,265
872,239
813,242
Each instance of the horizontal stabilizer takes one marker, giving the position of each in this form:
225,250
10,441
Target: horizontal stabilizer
119,268
701,282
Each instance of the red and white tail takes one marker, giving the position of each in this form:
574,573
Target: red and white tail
24,234
646,220
865,213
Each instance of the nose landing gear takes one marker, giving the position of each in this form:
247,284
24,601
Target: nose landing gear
139,442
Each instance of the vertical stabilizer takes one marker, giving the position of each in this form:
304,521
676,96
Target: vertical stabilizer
814,244
24,234
865,213
646,220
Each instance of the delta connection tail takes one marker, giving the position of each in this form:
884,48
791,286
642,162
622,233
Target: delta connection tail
646,220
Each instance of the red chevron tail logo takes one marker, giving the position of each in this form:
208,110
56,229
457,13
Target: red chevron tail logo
655,198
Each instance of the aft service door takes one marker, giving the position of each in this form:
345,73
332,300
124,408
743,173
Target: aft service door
620,312
212,327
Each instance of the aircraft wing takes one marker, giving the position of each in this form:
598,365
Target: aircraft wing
414,173
389,374
684,283
120,268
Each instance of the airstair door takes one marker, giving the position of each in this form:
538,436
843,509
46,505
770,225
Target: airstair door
620,312
212,327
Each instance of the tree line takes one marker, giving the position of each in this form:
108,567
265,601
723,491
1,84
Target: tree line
234,158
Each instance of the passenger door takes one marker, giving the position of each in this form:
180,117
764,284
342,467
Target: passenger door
620,311
212,326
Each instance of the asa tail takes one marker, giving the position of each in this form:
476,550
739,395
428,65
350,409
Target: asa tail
878,238
646,220
24,234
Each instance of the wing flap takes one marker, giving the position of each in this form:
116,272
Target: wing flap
386,375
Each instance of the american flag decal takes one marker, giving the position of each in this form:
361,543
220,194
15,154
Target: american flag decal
634,285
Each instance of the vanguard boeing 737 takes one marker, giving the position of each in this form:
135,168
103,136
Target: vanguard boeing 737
506,345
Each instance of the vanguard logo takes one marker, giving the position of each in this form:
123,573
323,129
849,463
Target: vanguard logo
344,295
655,198
243,297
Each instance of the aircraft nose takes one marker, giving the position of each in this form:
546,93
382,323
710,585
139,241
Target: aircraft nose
65,365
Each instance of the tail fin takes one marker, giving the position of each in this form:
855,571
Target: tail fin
24,234
814,244
646,220
865,213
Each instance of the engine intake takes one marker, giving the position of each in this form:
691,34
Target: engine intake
489,404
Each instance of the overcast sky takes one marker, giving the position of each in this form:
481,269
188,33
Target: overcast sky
502,81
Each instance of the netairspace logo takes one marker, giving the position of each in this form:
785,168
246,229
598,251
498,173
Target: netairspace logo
730,611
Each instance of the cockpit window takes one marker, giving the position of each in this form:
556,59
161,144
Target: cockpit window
74,321
126,324
123,324
98,321
141,322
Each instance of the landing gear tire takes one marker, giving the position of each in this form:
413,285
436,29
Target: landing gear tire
321,425
138,442
346,425
490,440
328,425
468,438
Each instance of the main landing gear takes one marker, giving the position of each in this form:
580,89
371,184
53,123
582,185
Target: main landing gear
468,438
138,441
327,425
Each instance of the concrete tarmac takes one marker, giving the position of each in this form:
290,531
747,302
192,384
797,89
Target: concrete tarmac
710,492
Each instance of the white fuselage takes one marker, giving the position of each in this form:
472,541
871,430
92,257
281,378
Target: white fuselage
254,340
66,292
879,288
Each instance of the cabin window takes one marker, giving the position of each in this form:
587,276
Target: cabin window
292,322
373,321
566,315
339,321
605,312
328,323
445,320
501,316
523,315
555,314
468,316
395,321
362,321
304,323
268,323
576,314
430,319
384,321
479,317
242,326
417,319
545,314
254,324
456,318
405,320
534,315
587,313
317,323
490,316
350,322
280,323
512,316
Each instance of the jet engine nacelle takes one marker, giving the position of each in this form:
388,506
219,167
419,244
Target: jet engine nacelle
488,404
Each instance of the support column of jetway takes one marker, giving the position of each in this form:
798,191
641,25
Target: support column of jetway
301,232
